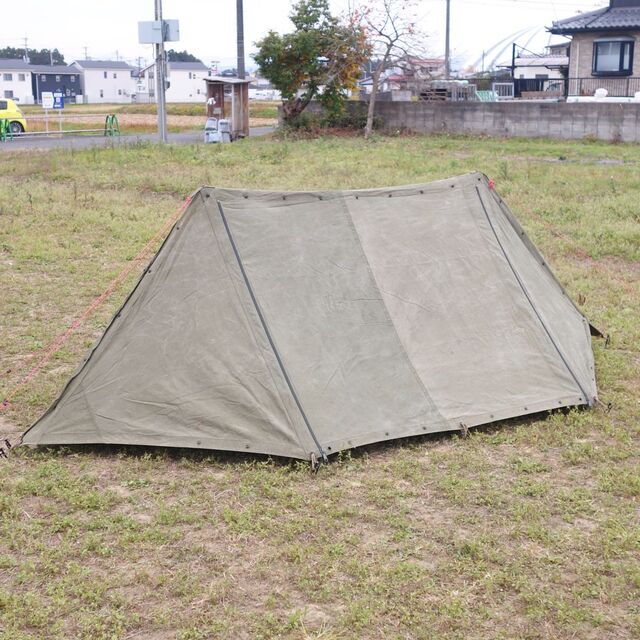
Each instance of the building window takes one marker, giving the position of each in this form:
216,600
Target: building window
115,75
101,93
57,78
8,94
119,92
43,78
104,73
21,77
7,77
613,56
72,78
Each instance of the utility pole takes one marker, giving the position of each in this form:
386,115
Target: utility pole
86,52
26,50
447,55
160,78
240,32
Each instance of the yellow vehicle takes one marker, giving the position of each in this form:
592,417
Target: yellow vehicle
10,111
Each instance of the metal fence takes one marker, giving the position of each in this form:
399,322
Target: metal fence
504,90
616,87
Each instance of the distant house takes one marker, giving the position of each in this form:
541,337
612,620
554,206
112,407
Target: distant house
605,49
408,75
184,78
535,73
106,80
15,80
57,79
419,69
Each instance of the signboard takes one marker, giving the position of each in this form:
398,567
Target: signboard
157,31
47,100
58,101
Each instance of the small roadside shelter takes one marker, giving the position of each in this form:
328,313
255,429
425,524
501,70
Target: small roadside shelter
230,100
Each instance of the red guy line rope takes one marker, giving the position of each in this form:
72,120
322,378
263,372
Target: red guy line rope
55,345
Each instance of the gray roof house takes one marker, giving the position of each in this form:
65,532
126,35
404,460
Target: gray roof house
106,81
184,78
605,49
65,79
15,80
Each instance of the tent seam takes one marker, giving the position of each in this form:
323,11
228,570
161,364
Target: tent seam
420,382
528,297
250,323
266,330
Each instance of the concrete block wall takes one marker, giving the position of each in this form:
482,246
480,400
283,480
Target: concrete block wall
569,121
611,122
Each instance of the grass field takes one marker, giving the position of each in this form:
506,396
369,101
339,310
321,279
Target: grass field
141,118
528,529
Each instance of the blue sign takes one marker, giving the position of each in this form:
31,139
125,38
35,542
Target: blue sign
58,101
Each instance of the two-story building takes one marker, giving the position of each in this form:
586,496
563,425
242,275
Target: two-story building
605,50
184,82
15,81
109,81
56,79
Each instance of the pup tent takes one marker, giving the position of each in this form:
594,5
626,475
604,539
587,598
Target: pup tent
301,324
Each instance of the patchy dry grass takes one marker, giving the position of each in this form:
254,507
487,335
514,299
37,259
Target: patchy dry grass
528,529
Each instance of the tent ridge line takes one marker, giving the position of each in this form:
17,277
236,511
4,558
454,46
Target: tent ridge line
585,395
265,327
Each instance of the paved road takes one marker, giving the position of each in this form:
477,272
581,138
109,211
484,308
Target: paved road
84,142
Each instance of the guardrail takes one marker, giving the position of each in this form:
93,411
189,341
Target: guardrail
111,126
5,130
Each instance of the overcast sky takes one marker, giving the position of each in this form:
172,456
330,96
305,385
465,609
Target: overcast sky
207,29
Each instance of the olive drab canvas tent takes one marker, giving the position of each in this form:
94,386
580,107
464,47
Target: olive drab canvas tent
300,324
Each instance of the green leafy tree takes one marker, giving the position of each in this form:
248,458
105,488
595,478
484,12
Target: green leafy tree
181,56
321,59
42,56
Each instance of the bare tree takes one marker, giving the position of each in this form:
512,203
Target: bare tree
391,27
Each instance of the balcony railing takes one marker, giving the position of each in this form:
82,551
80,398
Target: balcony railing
616,87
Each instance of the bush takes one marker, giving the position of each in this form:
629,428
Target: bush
313,122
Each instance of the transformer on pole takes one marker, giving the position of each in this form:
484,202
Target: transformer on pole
157,33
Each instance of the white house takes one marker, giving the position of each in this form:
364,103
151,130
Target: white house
184,78
15,81
106,80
